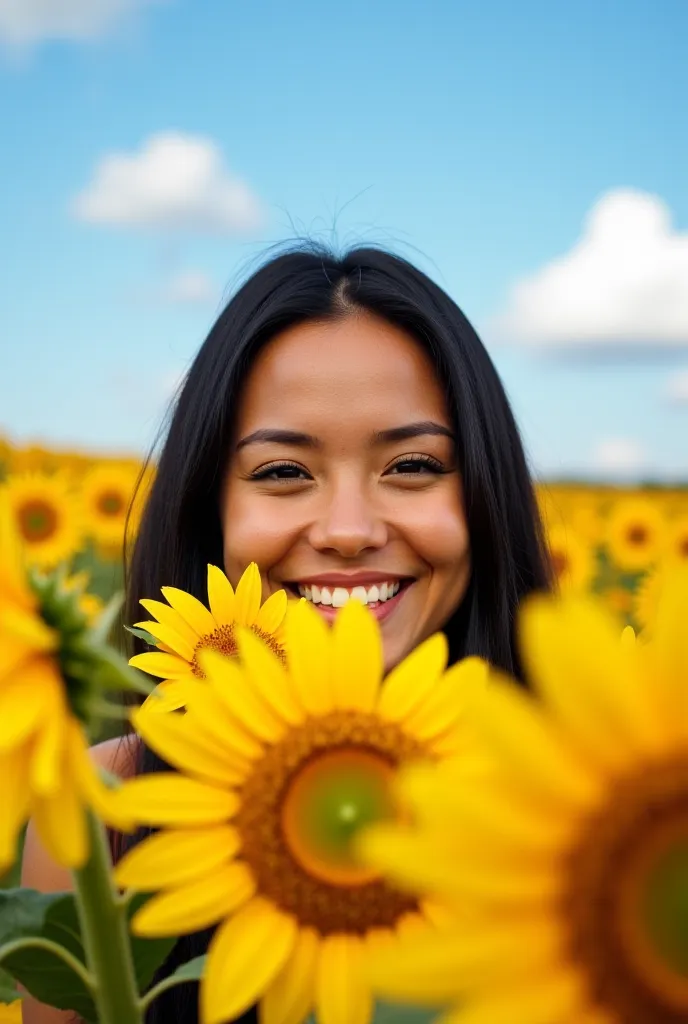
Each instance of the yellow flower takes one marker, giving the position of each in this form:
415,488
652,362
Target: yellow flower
283,764
677,540
11,1013
572,559
634,533
47,516
570,859
106,494
45,769
185,627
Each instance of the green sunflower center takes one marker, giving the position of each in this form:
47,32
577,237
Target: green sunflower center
37,520
627,904
110,503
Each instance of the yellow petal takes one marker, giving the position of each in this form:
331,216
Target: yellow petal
289,998
182,746
268,676
13,569
248,594
243,699
445,706
221,597
48,752
191,610
409,684
213,714
245,955
356,658
166,614
14,786
24,700
309,656
169,695
166,798
61,825
343,993
173,640
558,997
156,663
176,856
27,629
667,655
572,653
535,756
271,615
99,797
195,905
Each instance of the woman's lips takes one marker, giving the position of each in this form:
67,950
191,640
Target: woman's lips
382,610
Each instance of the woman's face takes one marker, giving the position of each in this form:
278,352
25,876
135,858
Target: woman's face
343,480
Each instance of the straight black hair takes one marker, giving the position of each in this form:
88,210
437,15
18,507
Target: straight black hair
180,532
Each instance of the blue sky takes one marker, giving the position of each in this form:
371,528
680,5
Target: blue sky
531,157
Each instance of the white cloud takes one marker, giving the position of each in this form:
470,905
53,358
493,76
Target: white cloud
175,182
189,287
677,388
623,284
619,456
26,22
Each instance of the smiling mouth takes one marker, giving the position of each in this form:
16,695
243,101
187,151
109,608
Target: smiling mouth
373,596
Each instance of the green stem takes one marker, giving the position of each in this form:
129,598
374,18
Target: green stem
50,947
163,986
105,934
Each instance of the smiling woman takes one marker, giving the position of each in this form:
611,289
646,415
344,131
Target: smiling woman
344,428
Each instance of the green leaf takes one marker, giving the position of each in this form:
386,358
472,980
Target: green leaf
192,970
8,994
142,635
25,913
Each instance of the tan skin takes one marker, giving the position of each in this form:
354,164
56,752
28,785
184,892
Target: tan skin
352,499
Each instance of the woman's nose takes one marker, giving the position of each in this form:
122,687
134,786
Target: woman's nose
349,524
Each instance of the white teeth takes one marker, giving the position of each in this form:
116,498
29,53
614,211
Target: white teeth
339,596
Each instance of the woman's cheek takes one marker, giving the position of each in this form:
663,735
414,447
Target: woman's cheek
255,534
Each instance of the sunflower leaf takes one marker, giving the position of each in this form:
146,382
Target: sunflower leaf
192,970
25,913
142,635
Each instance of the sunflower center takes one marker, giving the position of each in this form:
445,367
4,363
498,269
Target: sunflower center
560,563
223,640
110,503
304,803
683,548
628,899
637,535
37,520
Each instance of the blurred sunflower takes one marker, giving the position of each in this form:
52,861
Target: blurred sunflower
185,627
106,493
46,515
90,604
572,559
570,860
50,671
283,765
11,1013
634,533
676,547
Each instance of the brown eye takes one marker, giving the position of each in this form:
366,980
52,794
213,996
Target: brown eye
281,472
416,465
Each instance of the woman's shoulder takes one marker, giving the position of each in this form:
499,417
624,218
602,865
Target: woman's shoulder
39,870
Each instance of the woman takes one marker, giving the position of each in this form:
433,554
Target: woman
344,427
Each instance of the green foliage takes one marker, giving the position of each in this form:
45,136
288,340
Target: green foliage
25,913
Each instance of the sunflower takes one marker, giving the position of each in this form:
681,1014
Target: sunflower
283,765
572,559
570,859
185,627
106,494
46,515
48,665
11,1013
90,604
634,533
676,545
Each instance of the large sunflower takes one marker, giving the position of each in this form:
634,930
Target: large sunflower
46,515
282,767
570,859
634,533
106,494
45,769
184,627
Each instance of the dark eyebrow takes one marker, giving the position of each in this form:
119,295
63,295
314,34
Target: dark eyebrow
411,430
273,436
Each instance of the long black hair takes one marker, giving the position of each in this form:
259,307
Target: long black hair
180,532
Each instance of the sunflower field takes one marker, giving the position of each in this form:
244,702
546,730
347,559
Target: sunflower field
73,506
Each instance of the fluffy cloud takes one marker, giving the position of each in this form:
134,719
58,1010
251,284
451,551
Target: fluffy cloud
26,22
622,285
619,456
189,287
677,388
175,183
